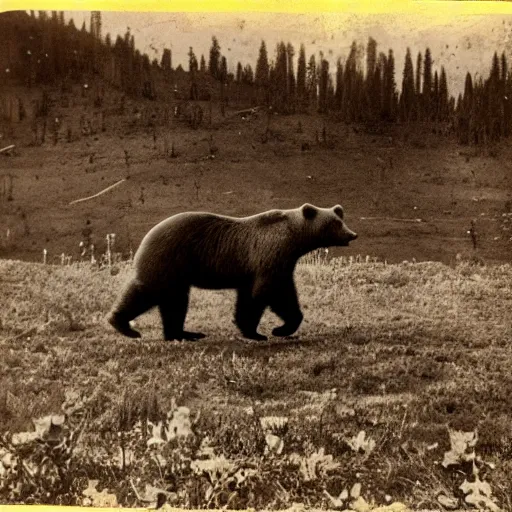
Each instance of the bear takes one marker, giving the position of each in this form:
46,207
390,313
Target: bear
254,255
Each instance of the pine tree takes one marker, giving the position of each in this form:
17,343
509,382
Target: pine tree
468,93
323,83
390,88
301,79
435,98
166,62
279,84
239,71
202,66
312,81
370,107
427,85
371,60
291,85
214,62
417,88
407,98
465,110
378,88
262,67
223,69
443,96
338,94
350,106
505,94
495,100
192,61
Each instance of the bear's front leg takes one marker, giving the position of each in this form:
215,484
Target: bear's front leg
285,303
173,310
249,310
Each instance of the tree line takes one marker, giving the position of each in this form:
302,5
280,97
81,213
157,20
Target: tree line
42,48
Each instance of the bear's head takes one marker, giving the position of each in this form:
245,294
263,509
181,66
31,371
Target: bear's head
324,227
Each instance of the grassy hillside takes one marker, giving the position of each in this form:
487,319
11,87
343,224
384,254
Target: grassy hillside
399,352
407,192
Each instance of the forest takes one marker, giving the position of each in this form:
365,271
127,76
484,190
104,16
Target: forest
43,49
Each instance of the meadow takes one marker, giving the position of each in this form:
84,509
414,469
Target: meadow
398,371
395,389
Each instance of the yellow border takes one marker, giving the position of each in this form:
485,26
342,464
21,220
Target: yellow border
444,9
448,8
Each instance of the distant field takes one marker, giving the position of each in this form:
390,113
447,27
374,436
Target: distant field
407,192
400,352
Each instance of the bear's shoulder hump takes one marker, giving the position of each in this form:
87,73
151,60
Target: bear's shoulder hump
271,217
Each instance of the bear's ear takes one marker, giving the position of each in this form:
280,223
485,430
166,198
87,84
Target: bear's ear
309,211
338,210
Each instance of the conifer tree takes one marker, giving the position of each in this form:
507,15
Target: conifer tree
291,85
417,88
323,83
435,98
214,62
166,62
407,97
338,94
262,67
192,61
312,81
371,60
427,85
301,79
443,96
389,88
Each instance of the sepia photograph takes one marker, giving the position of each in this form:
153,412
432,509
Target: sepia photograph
256,260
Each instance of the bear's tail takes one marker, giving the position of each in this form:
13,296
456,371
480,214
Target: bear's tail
132,302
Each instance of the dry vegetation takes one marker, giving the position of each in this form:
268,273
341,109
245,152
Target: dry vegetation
390,362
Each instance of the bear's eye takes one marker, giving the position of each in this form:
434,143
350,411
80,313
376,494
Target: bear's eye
338,210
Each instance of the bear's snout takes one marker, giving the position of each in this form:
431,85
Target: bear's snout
347,236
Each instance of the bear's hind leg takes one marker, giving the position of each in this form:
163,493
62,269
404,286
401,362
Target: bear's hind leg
285,304
173,310
249,310
132,302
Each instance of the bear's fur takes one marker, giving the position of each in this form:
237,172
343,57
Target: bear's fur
255,255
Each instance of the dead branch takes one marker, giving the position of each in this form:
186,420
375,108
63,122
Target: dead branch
8,148
99,193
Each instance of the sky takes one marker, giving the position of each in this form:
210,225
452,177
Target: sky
460,44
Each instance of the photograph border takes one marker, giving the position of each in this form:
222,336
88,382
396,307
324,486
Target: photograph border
445,10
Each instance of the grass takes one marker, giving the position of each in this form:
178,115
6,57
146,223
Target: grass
398,351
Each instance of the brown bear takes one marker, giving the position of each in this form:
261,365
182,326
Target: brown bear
255,255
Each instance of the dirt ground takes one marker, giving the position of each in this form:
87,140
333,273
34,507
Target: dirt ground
410,194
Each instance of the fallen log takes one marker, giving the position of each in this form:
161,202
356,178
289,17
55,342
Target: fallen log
99,193
8,148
